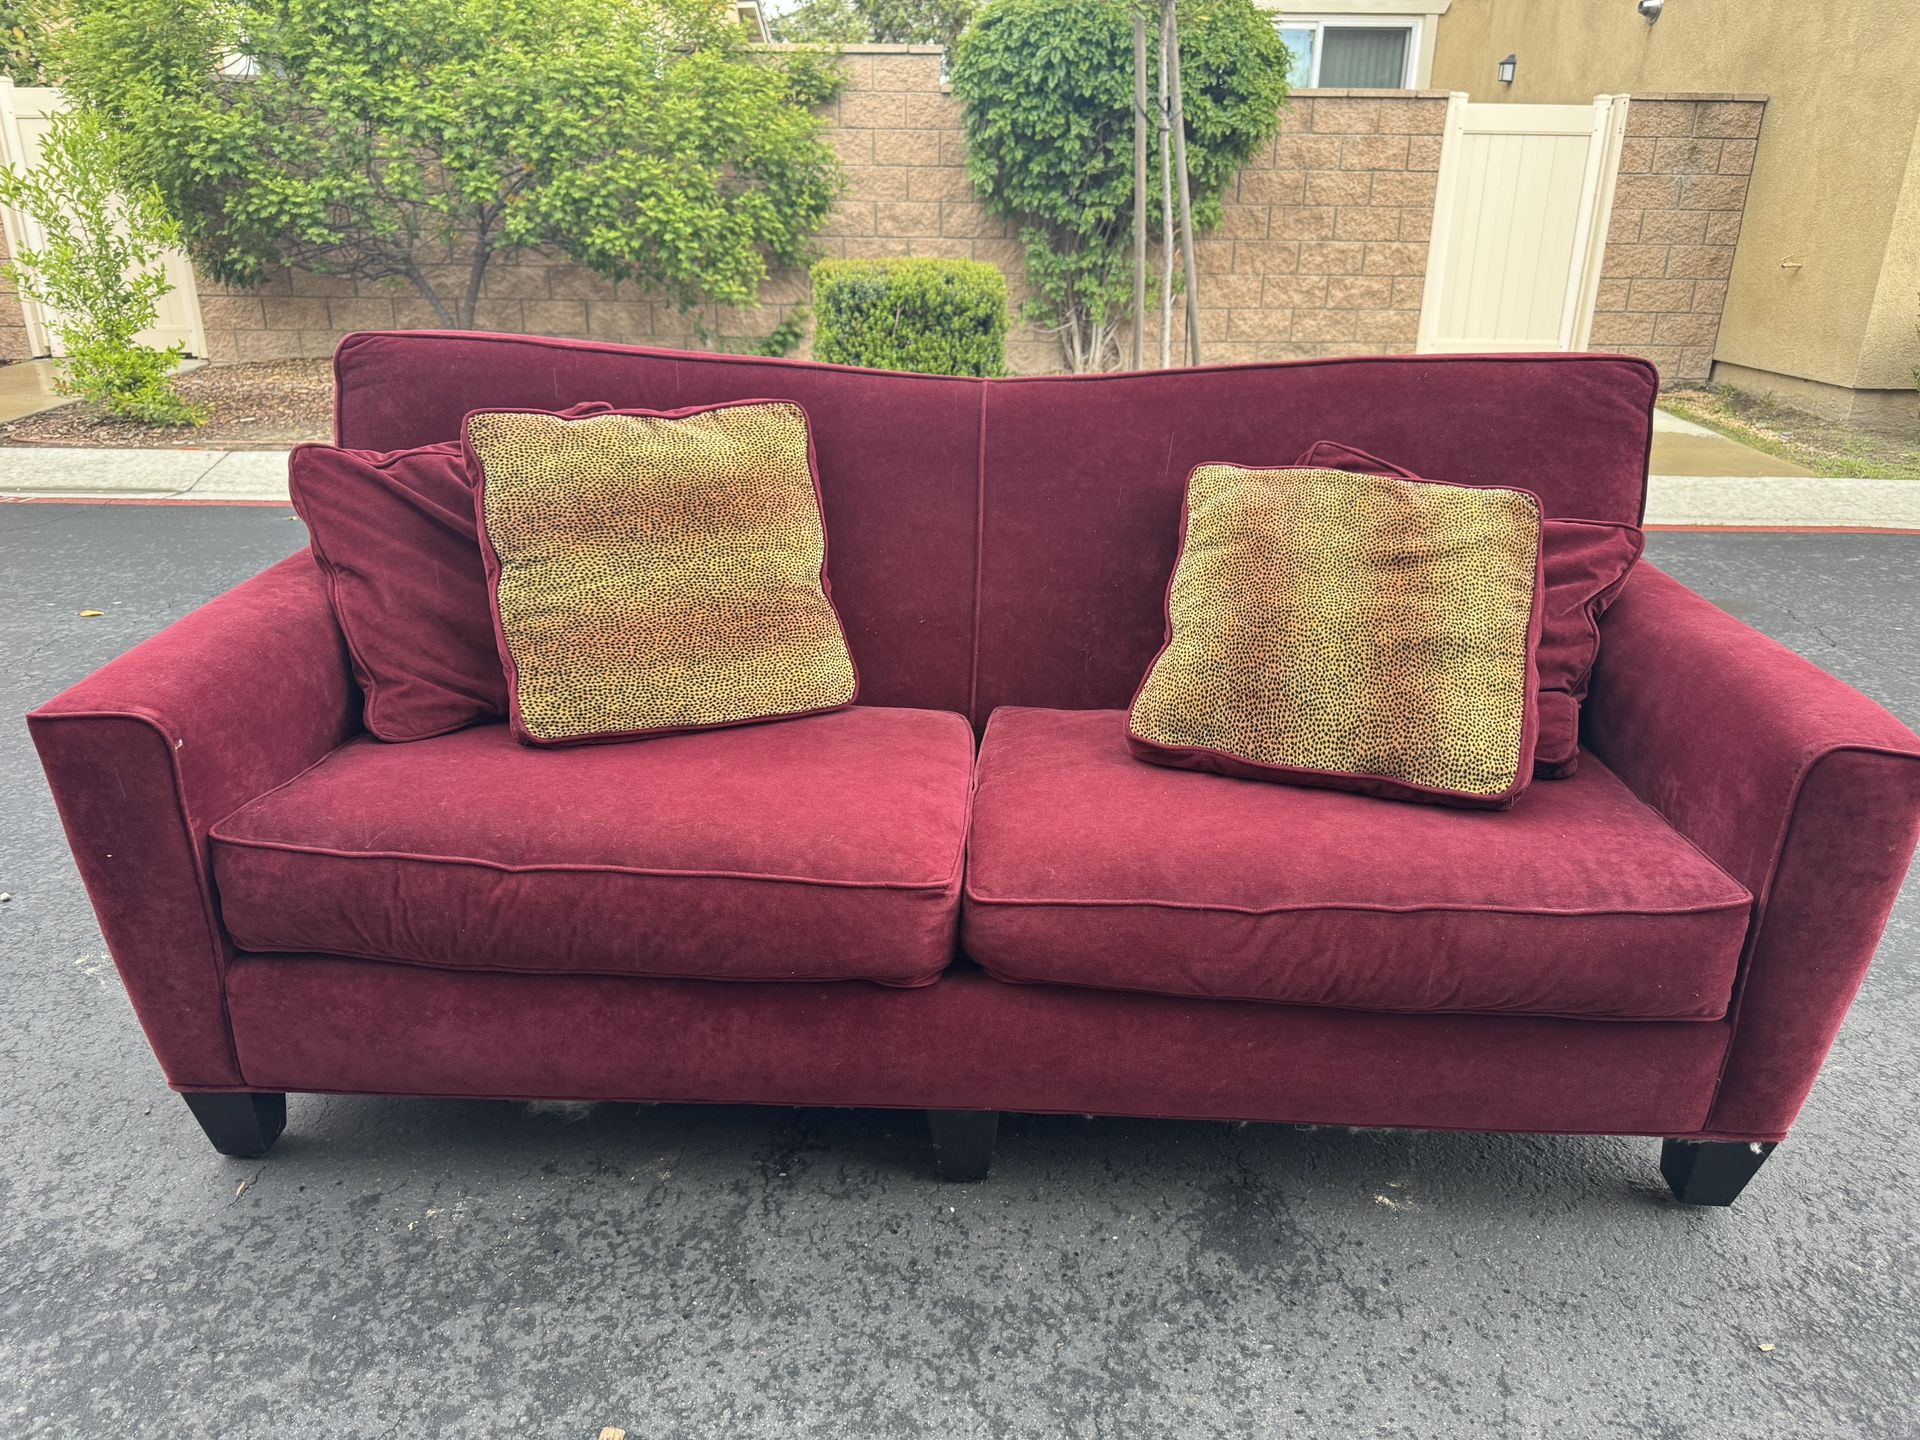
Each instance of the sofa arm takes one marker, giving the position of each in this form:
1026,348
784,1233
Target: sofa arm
149,751
1799,786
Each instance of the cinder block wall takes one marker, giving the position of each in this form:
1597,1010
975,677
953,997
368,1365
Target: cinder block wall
1322,244
13,320
1677,207
1321,250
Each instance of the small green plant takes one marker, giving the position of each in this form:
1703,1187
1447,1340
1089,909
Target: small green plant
783,339
99,274
937,317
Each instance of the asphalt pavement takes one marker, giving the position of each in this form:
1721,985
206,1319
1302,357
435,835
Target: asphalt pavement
481,1269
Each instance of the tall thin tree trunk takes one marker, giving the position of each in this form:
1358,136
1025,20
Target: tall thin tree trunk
482,253
1186,197
1166,212
1139,188
425,286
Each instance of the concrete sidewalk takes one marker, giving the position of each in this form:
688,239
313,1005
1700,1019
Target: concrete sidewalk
75,472
1700,477
1780,501
1681,447
26,387
1751,498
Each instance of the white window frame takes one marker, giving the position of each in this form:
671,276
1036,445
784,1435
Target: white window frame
1317,21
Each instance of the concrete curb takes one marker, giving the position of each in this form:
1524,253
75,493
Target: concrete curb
1734,501
78,473
1783,501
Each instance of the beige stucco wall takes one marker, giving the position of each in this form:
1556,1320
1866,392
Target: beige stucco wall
1891,352
1823,279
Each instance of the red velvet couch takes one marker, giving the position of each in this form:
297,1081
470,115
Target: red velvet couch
854,909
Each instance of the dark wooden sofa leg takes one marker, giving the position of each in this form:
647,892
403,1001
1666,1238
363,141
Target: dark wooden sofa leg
963,1142
243,1124
1711,1172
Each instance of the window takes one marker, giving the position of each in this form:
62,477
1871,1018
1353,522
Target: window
1300,40
1351,52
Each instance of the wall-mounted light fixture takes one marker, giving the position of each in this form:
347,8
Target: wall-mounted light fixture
1507,67
1651,9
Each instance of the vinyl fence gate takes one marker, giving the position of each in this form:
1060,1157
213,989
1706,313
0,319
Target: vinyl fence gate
1520,224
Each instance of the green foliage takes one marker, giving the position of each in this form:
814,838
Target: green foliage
412,140
937,317
887,22
1047,87
99,272
25,30
783,339
822,22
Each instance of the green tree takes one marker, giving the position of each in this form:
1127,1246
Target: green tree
1047,87
25,28
415,140
887,22
99,270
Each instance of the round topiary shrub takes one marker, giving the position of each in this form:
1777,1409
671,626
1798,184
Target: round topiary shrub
936,317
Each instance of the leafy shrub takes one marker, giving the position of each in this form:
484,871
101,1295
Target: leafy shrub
1047,90
99,273
937,317
25,26
411,141
888,22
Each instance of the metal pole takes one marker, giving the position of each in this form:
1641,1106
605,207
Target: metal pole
1186,197
1139,189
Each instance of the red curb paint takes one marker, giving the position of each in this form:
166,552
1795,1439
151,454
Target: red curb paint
134,500
1784,529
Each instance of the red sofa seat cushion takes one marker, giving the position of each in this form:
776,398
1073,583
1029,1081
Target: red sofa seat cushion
1088,868
824,848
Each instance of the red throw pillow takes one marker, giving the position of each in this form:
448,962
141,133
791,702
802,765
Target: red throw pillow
394,536
1586,562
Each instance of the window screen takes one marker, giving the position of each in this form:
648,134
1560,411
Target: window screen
1363,58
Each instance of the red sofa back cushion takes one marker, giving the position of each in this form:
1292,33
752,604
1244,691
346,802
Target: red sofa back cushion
1008,542
1084,478
899,460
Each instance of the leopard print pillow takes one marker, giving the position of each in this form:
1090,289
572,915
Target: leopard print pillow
657,572
1355,631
